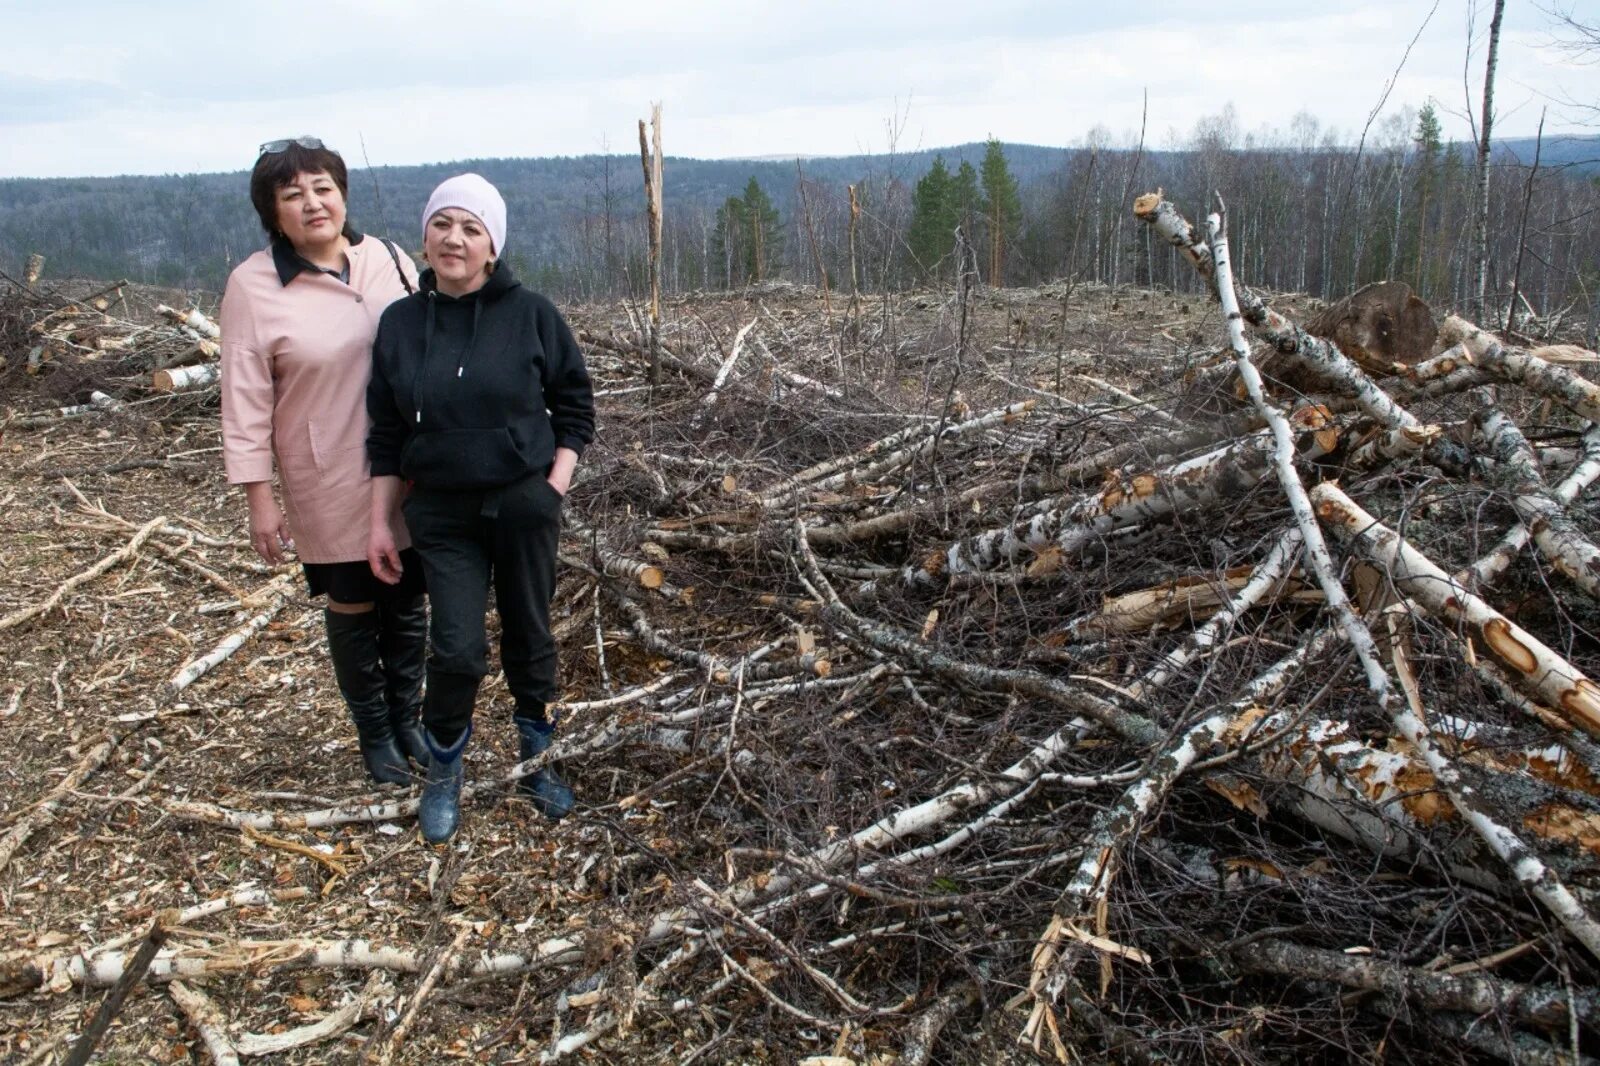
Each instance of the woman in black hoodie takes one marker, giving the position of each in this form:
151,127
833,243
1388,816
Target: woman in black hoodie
480,400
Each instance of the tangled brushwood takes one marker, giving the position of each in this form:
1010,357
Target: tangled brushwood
958,677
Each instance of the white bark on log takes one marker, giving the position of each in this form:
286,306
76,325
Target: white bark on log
1536,668
275,594
1269,576
1112,830
207,1021
1487,569
615,564
281,956
98,401
709,400
895,441
1526,369
1394,444
1320,356
1554,531
1227,471
425,987
1316,549
192,318
866,474
1410,569
1533,874
121,555
1547,1007
923,1032
178,378
344,814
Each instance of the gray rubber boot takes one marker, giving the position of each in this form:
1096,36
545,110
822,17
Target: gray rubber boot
551,796
358,668
439,813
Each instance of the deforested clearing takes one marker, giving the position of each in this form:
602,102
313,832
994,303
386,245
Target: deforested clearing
965,675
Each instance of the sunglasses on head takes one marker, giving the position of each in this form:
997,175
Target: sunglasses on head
273,147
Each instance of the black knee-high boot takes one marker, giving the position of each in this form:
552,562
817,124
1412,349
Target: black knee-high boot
353,645
403,642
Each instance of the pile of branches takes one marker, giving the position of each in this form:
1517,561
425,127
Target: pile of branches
81,353
1103,719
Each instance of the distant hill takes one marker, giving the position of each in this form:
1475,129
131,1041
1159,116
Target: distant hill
190,229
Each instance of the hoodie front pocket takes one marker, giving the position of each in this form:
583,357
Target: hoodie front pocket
463,458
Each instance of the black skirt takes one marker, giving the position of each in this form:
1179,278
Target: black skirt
353,582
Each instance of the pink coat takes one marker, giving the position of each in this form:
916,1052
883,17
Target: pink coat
295,364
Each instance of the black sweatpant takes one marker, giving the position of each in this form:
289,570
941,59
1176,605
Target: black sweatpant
466,539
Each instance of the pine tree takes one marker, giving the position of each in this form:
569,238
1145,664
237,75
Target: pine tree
968,199
1429,142
933,216
1002,208
765,232
748,242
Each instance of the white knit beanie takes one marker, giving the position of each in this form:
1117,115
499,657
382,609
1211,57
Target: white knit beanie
471,192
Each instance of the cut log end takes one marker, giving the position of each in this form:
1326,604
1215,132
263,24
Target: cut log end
1146,205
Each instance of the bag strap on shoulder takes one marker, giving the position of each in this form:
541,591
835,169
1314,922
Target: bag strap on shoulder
395,255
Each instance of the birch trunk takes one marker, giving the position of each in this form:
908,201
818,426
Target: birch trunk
1535,667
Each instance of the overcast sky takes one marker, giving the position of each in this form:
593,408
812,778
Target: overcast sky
99,87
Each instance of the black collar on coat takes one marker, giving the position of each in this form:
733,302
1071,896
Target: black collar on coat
291,264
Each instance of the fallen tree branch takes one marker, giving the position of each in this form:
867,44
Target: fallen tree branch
122,555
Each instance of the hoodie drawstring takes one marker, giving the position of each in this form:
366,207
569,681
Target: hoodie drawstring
427,347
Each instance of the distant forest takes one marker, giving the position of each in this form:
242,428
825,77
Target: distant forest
1306,213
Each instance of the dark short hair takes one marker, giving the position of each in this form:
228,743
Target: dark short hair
277,169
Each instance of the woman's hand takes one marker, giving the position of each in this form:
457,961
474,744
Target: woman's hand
382,555
560,476
269,530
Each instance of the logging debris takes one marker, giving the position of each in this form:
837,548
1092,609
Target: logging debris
940,685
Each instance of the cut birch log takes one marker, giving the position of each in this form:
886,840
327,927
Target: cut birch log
179,378
1124,503
1113,828
1538,878
1411,571
441,965
98,401
275,956
1268,579
193,318
1546,1007
837,471
1378,325
127,979
1487,569
1535,667
1554,531
1524,368
1289,340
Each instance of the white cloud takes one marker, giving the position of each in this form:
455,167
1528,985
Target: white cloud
112,88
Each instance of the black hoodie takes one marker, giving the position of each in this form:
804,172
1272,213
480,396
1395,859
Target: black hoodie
476,391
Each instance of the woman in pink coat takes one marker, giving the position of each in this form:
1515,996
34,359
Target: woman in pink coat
298,319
